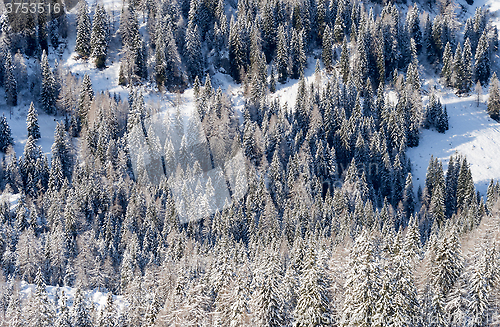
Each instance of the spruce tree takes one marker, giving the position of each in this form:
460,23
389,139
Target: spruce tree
447,69
83,30
5,135
312,303
99,37
32,122
467,66
282,55
482,65
327,54
193,51
48,87
494,98
9,82
344,62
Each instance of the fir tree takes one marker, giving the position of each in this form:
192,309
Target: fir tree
327,55
83,30
99,37
32,122
482,65
447,69
48,87
494,98
6,139
193,51
344,62
80,316
41,313
282,55
9,82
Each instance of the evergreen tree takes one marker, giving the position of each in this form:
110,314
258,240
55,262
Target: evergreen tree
344,62
482,65
80,316
83,30
99,37
282,55
41,312
84,102
193,51
327,54
467,66
494,98
447,69
63,317
32,122
48,87
61,149
5,135
312,303
9,82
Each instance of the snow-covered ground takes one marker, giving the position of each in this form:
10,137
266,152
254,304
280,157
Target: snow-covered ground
94,296
472,133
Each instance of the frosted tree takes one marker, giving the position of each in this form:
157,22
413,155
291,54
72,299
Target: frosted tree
494,98
63,317
32,122
83,30
447,69
99,37
327,54
61,149
5,134
48,87
313,304
9,82
344,62
80,316
483,278
193,51
40,313
282,55
482,65
108,313
362,284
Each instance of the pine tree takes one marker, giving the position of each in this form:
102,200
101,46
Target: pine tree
447,69
482,65
483,278
458,72
41,312
63,317
494,98
282,55
84,102
344,62
9,82
467,66
193,51
48,87
32,122
99,37
108,314
61,149
362,284
327,54
5,135
312,303
80,316
83,30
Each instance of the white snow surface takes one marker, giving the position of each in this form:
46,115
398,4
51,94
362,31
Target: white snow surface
95,296
472,133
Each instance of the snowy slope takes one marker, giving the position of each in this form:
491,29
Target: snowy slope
94,296
472,133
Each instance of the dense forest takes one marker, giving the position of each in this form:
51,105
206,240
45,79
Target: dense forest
319,223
